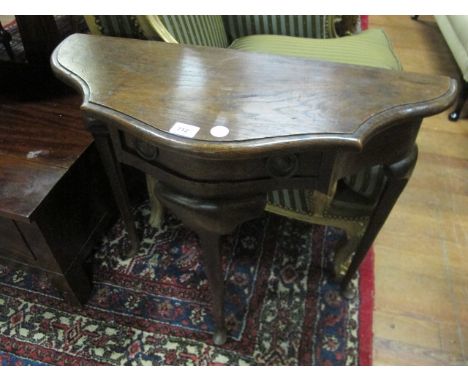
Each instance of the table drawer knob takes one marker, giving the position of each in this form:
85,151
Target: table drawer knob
146,150
282,166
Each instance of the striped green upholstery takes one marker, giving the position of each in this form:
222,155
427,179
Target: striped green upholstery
197,30
293,200
194,30
118,26
354,201
369,48
347,202
367,183
299,26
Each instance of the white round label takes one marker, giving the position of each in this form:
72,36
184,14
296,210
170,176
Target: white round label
219,131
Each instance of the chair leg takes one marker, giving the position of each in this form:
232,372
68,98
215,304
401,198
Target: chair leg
157,209
346,249
455,115
116,179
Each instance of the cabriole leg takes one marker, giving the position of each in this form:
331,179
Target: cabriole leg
116,180
210,243
211,219
398,175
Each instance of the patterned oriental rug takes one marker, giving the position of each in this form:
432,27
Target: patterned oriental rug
281,306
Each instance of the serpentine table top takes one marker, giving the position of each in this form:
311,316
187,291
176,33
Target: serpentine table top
261,99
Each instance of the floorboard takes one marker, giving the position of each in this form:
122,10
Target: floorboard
421,297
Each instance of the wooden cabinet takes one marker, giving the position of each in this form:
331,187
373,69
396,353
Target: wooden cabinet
55,201
12,244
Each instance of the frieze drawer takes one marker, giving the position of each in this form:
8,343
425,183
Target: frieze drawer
302,165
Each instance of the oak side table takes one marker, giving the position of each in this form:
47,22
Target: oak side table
219,128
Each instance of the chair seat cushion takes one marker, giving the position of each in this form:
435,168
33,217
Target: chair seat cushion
368,48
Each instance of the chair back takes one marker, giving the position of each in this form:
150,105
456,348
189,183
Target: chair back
192,30
212,30
116,26
298,26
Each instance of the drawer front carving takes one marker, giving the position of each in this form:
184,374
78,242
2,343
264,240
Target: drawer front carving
302,165
146,150
143,149
282,166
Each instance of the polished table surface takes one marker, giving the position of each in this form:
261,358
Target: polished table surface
261,98
220,128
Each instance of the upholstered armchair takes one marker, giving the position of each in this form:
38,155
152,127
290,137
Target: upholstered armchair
351,203
455,31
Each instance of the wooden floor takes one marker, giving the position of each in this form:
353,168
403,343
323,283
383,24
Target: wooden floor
421,295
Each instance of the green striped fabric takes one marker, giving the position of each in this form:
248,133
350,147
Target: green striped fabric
299,26
117,26
292,200
365,187
369,48
367,183
197,30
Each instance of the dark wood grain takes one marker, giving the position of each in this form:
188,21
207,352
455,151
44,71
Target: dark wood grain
50,217
54,197
39,141
295,100
49,129
13,242
24,185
